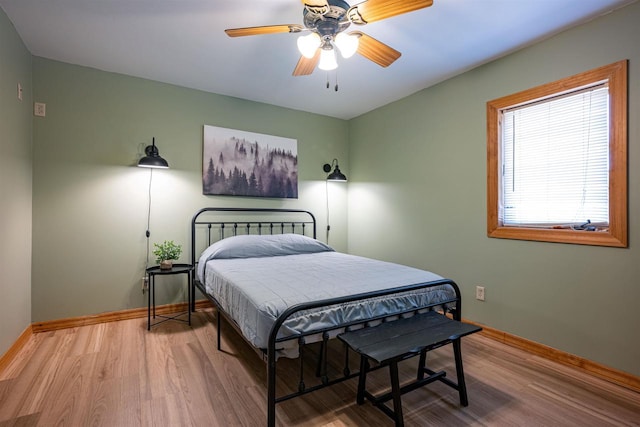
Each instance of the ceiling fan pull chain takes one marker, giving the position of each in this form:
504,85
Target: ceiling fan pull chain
336,88
327,80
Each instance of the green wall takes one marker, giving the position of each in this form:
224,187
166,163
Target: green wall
15,185
90,202
419,166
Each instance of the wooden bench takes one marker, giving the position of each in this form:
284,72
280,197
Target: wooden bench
392,342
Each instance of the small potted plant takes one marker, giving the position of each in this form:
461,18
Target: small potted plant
166,252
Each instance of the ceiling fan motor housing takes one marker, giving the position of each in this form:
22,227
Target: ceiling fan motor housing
327,25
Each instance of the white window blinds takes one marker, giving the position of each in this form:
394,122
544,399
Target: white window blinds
555,160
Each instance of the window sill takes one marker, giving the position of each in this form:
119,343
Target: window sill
594,238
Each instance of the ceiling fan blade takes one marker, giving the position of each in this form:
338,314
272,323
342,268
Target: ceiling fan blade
305,66
375,50
376,10
319,7
268,29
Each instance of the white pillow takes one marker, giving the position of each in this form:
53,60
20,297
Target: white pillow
251,246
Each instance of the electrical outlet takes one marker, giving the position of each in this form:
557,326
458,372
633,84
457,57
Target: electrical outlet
145,283
480,293
39,109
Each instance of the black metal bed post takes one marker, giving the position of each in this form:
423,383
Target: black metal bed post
193,263
457,311
271,386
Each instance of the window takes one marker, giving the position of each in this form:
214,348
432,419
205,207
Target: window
557,161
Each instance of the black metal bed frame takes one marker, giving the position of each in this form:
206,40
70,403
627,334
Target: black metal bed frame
251,226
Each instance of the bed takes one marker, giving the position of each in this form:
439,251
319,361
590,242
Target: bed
282,290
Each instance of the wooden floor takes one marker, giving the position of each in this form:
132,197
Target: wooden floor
118,374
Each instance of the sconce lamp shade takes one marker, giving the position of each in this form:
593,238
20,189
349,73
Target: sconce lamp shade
336,175
152,158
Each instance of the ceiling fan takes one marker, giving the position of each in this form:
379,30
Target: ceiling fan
326,22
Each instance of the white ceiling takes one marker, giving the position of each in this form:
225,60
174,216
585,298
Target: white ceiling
182,42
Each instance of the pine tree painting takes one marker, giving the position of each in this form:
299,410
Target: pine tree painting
239,163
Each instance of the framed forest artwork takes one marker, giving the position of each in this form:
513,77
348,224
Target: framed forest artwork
239,163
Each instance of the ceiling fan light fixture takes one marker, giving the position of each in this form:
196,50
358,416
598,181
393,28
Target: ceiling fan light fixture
328,59
347,44
307,45
326,20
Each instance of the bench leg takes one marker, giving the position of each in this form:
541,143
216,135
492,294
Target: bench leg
397,395
362,379
462,387
422,365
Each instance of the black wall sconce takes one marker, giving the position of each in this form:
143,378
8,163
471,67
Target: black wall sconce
336,175
152,157
151,160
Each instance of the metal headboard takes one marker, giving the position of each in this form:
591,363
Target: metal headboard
212,224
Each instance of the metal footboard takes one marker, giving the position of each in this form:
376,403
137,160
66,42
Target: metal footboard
452,305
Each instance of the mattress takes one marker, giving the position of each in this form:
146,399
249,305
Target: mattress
255,290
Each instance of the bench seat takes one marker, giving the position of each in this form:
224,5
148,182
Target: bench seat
394,341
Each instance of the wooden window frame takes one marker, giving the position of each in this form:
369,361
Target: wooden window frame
616,236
